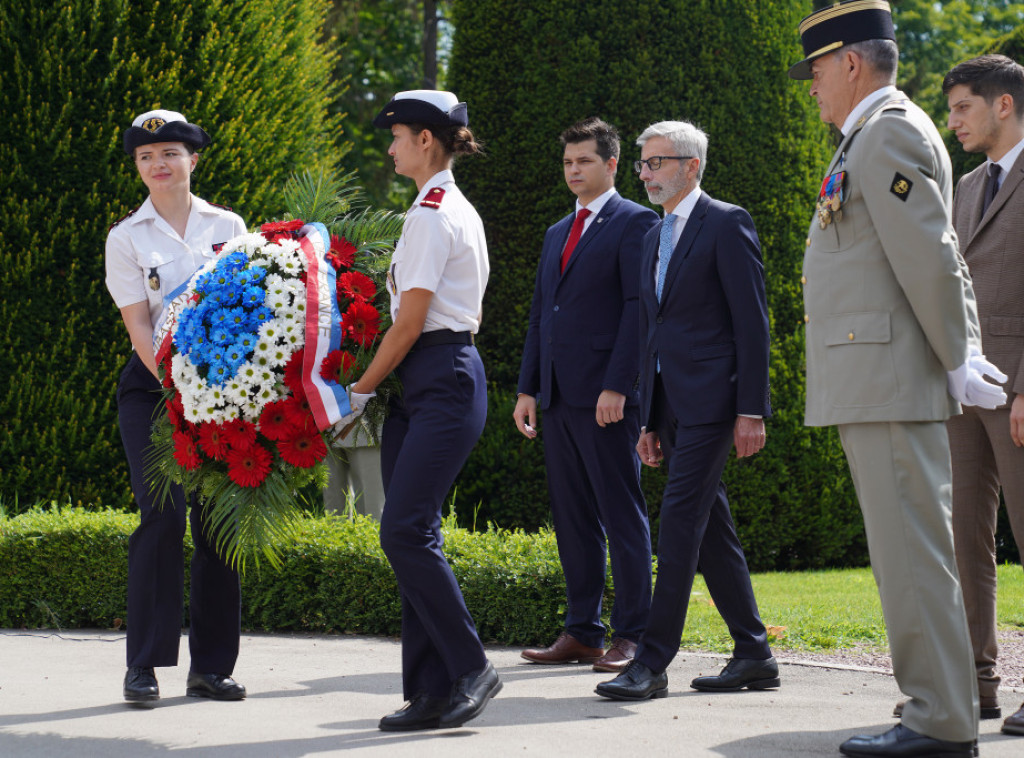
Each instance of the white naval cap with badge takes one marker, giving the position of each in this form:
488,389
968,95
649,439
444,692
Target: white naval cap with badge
423,106
163,126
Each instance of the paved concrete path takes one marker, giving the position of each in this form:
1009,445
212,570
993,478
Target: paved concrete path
60,695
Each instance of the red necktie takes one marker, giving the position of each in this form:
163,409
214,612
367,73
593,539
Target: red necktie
574,236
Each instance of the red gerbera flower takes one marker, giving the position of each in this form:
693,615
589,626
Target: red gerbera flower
167,381
342,253
249,466
303,448
186,452
293,373
275,421
361,322
213,440
175,410
338,366
239,433
357,286
299,414
273,231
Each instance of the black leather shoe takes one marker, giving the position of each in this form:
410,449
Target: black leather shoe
470,694
901,742
422,712
213,686
739,673
636,682
140,685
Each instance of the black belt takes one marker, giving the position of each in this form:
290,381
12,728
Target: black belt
442,337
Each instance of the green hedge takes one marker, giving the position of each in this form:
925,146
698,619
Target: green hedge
66,567
74,75
633,62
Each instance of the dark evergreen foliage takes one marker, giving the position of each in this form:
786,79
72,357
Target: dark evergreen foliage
528,71
74,75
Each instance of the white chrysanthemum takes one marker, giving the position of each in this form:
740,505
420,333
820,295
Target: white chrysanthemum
279,301
275,357
230,413
265,377
208,413
178,369
193,414
264,394
270,330
251,410
238,392
248,373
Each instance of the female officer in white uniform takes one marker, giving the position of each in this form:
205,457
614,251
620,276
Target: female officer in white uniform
437,279
149,254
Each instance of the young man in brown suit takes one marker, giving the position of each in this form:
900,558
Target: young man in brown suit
986,111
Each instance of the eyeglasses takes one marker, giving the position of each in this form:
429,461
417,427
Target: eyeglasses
654,162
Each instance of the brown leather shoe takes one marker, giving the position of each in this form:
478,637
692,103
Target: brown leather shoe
1014,723
618,656
989,708
566,649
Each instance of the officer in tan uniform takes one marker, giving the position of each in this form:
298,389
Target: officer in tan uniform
892,333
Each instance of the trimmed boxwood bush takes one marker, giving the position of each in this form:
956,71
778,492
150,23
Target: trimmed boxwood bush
723,65
67,567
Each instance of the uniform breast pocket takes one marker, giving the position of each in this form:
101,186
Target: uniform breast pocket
860,370
158,271
825,240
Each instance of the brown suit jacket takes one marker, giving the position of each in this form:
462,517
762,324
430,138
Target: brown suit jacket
993,247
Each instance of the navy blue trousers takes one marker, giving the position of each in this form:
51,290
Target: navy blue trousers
696,531
428,435
156,564
594,482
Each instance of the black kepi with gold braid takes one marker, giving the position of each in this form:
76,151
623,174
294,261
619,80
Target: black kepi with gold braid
841,24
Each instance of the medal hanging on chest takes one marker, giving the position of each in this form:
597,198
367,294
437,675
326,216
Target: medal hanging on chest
830,199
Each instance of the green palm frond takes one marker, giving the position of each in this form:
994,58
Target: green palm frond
369,230
321,195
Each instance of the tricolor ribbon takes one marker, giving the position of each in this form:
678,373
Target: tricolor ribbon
327,400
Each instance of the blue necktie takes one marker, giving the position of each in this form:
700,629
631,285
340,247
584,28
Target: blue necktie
665,250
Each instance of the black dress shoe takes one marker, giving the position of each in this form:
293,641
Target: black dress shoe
422,712
140,685
636,682
470,694
901,742
213,686
739,673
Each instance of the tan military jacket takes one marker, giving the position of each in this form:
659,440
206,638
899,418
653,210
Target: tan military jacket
888,301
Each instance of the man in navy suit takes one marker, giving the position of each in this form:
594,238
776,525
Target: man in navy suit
703,389
579,366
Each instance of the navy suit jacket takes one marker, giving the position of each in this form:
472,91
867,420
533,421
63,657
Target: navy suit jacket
710,330
583,323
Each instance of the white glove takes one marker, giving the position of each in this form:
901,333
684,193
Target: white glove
357,402
967,384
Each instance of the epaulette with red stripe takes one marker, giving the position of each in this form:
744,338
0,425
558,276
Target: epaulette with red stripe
433,198
123,218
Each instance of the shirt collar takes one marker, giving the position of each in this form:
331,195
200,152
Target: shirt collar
687,204
441,177
862,107
597,204
1007,161
147,211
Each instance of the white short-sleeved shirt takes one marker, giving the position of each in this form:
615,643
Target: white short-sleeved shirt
442,249
147,260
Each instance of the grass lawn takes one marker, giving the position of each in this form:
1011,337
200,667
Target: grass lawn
824,610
